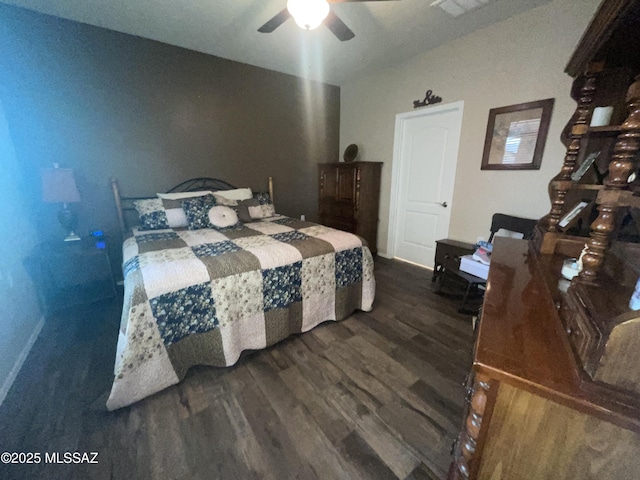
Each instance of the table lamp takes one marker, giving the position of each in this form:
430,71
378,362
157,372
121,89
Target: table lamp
59,186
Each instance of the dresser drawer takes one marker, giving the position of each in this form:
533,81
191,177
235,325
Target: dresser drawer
337,209
582,334
338,223
345,211
345,226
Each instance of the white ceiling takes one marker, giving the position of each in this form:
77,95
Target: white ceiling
387,33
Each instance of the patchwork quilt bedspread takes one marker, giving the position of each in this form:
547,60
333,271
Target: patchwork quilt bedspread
202,297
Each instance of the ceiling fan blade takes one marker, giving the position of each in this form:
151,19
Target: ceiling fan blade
338,28
275,22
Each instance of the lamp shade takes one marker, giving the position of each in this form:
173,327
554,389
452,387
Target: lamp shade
59,186
308,14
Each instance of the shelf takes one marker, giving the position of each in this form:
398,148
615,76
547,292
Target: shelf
606,131
587,186
562,185
619,198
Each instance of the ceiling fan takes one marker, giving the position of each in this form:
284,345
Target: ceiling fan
309,14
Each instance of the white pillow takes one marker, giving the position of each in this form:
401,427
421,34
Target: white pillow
181,195
222,217
236,194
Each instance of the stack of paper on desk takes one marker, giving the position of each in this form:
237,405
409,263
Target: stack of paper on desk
469,265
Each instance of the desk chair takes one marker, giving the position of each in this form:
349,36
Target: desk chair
525,226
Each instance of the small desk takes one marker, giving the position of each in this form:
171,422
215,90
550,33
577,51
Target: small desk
447,261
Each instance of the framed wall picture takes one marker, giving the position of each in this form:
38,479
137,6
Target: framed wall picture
516,136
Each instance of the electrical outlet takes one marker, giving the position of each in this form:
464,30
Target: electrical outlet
303,217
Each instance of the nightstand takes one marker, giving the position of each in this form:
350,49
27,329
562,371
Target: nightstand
447,264
71,273
448,253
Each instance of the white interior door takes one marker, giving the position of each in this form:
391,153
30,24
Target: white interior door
424,170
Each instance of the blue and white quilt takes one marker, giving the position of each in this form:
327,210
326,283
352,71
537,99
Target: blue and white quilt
202,297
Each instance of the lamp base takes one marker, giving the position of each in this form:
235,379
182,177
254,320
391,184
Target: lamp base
72,237
68,220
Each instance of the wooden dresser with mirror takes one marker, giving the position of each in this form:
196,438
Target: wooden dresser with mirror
554,392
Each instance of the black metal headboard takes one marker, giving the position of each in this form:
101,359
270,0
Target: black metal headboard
126,209
203,183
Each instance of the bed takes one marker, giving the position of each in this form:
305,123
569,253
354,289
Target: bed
202,296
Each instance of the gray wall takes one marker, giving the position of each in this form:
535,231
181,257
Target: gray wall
150,114
19,313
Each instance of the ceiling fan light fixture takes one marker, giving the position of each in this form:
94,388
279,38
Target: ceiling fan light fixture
308,14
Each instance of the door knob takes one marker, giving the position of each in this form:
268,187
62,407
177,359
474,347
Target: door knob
444,204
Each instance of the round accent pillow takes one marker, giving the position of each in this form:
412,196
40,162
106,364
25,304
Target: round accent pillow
222,217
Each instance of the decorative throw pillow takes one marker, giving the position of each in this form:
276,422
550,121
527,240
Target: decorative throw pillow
172,203
197,209
261,211
263,197
152,214
242,209
222,217
264,208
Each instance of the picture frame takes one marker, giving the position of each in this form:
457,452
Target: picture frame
571,218
516,135
584,166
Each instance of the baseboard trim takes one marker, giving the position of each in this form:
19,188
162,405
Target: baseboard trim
13,374
413,263
391,257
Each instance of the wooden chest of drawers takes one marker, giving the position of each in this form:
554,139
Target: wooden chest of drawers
349,198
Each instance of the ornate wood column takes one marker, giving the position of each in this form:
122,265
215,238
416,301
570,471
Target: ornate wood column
616,193
562,182
466,459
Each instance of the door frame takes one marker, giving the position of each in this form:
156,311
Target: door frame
401,118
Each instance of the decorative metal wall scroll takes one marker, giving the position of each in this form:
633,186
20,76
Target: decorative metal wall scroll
429,99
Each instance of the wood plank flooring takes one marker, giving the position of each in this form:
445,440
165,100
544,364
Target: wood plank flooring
376,396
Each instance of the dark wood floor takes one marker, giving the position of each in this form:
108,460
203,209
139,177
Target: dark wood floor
378,395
